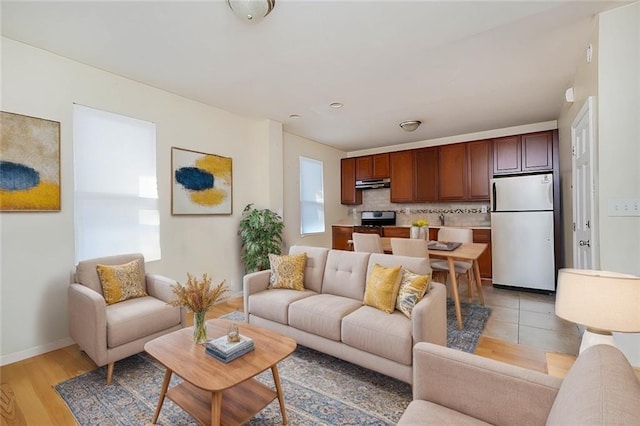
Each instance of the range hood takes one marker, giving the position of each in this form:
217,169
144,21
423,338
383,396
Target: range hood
373,183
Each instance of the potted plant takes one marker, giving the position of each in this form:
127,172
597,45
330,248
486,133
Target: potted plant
261,234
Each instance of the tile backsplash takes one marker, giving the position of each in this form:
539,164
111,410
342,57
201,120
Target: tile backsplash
455,214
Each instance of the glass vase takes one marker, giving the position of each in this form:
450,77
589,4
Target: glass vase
199,328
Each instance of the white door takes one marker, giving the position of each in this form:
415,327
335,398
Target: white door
585,251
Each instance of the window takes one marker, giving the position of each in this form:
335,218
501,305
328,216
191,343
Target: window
311,196
116,194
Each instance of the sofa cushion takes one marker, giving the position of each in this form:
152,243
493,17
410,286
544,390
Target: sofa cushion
122,282
314,269
345,274
381,291
273,304
421,412
87,275
413,287
287,271
382,334
600,388
135,318
321,314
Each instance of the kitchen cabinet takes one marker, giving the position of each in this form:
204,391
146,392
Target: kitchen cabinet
402,165
531,152
348,192
452,182
425,175
396,231
484,261
478,170
374,166
341,236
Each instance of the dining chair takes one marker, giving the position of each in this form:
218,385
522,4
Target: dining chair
369,243
458,235
409,247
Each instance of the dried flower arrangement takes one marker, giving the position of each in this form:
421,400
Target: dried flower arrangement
197,295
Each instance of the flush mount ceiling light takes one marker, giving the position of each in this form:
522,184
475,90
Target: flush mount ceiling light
251,10
336,104
410,125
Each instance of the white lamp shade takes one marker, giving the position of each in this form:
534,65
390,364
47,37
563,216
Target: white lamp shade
599,300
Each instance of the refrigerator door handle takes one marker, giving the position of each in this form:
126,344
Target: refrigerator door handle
493,199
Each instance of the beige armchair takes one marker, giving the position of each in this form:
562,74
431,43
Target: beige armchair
109,333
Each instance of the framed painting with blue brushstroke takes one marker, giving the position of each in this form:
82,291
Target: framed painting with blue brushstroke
201,183
29,163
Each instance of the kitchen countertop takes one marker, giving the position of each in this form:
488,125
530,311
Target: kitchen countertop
430,226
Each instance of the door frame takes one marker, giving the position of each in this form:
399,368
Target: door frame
588,110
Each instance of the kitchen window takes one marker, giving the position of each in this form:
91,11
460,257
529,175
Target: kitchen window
116,194
311,196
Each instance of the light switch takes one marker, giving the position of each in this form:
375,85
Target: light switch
624,207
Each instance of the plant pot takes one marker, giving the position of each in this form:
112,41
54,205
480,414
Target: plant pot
415,232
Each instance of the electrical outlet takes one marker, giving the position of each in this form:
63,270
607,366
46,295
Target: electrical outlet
407,210
483,209
619,207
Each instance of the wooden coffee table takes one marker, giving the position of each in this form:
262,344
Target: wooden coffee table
214,392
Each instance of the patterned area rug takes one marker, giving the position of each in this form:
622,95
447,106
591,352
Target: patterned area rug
319,389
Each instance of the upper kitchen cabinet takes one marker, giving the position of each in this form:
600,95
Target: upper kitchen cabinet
478,170
465,171
527,153
402,174
348,192
426,175
452,182
374,166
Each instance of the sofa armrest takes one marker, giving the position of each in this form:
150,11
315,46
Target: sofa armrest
252,283
482,388
88,321
429,316
159,287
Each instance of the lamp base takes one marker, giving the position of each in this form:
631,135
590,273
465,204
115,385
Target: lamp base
593,337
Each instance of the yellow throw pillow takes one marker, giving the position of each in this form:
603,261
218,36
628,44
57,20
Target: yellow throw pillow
382,288
287,271
122,282
413,287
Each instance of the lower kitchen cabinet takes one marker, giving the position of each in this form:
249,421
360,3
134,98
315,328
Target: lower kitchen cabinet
341,236
484,261
396,231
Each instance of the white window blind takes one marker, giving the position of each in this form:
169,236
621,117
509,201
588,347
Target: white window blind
116,194
311,196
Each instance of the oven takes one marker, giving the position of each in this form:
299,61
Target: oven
373,221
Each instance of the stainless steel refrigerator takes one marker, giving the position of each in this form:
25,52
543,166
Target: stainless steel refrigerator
522,246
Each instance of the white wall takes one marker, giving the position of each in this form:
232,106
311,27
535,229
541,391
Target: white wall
294,147
619,146
37,249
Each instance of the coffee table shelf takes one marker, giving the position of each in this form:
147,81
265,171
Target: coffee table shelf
239,403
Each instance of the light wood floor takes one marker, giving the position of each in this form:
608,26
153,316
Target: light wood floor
28,396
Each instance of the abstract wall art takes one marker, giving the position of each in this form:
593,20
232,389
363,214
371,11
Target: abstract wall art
202,183
29,163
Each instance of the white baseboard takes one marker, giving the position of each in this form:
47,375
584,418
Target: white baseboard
38,350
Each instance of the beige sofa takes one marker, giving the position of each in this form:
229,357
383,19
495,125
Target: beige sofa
329,315
453,387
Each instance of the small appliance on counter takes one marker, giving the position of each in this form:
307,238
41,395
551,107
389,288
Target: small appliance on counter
522,232
371,222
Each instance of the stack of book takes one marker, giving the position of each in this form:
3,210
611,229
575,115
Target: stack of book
224,350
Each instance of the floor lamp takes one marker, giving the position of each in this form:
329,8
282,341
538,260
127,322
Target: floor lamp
602,301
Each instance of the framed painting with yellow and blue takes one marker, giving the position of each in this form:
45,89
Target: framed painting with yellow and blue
29,163
202,183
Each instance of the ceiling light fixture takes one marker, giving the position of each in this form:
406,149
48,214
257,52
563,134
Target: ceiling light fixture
251,10
294,116
410,125
336,104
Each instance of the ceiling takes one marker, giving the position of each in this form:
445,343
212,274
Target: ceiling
459,67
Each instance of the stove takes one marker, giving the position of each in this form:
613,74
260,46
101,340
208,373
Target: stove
373,221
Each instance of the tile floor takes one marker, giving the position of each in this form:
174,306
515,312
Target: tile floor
526,318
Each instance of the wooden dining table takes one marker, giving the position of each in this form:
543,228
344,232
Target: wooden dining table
466,252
